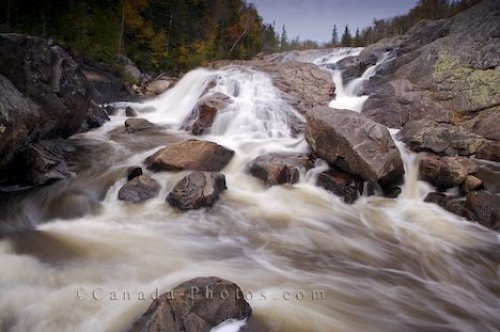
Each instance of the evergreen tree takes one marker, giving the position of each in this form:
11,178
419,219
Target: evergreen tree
335,36
346,37
284,40
357,39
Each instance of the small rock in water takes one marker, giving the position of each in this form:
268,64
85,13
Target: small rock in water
341,184
193,155
133,172
197,190
276,169
110,110
197,305
130,112
139,189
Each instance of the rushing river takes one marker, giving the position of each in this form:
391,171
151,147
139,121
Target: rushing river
305,260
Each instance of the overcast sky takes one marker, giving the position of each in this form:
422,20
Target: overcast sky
314,19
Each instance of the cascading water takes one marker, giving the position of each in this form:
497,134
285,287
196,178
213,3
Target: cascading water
304,259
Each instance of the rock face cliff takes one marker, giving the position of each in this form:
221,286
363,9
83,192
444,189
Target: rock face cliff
446,70
44,96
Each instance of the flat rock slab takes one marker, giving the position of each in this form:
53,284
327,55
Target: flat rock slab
191,155
197,190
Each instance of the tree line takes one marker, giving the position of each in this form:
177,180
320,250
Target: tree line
177,35
399,25
173,35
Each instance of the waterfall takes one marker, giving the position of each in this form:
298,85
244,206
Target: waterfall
382,264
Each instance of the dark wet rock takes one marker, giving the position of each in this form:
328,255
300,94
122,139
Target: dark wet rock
276,169
354,144
133,172
130,112
445,172
341,184
111,110
350,67
197,190
106,82
441,70
197,305
191,155
486,208
453,204
44,95
96,117
203,115
471,183
489,151
46,161
441,138
139,189
139,124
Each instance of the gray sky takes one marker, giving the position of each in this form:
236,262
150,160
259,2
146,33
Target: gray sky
314,19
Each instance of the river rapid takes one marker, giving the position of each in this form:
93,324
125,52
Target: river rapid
305,260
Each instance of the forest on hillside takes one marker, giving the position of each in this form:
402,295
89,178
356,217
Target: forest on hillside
168,34
177,35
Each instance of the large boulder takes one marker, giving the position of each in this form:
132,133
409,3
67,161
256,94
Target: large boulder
197,190
341,184
139,189
197,305
158,86
191,155
44,95
204,113
445,172
441,70
489,151
355,144
276,168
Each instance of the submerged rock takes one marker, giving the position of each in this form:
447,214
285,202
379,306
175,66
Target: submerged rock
139,189
341,184
275,168
445,172
139,124
193,155
204,113
355,144
197,305
130,112
197,190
